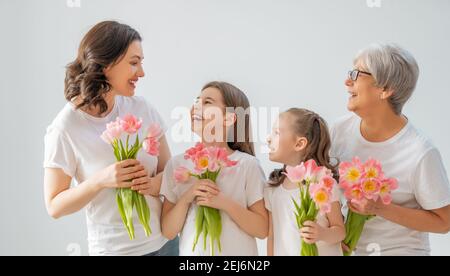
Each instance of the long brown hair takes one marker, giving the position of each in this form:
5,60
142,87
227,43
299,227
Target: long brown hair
233,97
105,44
310,125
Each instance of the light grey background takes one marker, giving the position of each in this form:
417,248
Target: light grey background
281,53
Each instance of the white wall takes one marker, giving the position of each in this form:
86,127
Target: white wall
282,53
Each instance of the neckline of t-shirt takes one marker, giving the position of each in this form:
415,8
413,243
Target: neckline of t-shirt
235,153
105,119
393,139
288,190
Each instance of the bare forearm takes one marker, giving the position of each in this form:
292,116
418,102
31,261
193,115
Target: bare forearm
333,234
73,199
156,184
252,223
173,221
270,236
419,220
270,245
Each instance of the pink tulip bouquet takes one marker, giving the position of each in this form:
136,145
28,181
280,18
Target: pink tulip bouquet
208,163
316,185
362,182
125,197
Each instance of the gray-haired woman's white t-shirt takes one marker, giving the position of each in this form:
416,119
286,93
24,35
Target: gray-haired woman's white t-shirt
423,183
73,144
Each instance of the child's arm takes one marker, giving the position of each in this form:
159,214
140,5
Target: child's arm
335,233
173,215
253,220
270,237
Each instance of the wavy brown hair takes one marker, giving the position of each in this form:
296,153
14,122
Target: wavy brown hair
233,97
310,125
105,44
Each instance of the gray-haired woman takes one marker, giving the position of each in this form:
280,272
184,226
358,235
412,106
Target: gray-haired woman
382,80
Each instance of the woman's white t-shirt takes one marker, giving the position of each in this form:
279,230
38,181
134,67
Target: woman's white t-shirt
286,235
423,183
244,183
73,144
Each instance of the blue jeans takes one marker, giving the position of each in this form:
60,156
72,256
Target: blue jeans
169,249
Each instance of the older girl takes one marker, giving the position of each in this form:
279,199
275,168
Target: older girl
239,190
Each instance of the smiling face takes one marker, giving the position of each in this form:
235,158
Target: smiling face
208,117
124,75
365,97
284,144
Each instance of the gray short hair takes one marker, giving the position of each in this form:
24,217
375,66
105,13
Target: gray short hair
393,68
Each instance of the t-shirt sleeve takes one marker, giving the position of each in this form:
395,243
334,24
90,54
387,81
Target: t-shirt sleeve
168,183
333,149
255,182
339,132
155,117
58,152
268,191
431,186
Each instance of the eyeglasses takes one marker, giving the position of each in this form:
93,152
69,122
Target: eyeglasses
354,74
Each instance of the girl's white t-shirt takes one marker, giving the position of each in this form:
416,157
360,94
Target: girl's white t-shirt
286,235
244,183
73,144
410,157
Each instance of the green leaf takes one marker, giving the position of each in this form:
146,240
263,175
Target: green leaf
133,152
116,152
127,198
122,150
208,221
136,143
214,223
304,198
297,207
143,212
302,217
311,210
122,213
354,226
205,232
199,221
128,138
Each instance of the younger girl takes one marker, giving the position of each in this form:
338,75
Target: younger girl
238,193
299,136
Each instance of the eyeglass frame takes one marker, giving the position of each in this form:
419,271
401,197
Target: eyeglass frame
350,74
